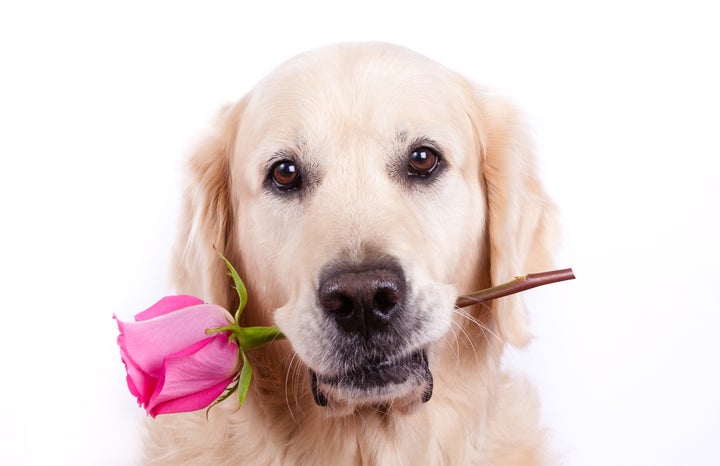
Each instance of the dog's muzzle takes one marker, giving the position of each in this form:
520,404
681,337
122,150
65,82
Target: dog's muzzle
369,322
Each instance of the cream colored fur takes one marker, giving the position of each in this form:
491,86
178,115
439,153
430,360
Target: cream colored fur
344,109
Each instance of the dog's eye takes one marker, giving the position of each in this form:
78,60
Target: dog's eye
422,161
286,175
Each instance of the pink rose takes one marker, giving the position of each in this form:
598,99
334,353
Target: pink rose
172,364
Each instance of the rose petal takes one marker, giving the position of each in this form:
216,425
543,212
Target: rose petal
140,383
194,371
148,342
166,305
191,402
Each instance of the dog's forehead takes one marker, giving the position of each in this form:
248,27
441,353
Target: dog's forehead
363,90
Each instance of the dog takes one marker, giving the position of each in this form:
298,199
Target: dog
359,189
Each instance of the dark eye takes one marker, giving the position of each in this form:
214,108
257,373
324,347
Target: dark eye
422,161
285,174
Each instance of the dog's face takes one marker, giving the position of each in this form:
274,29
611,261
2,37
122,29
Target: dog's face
355,184
361,200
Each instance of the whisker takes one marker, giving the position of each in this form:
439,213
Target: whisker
480,325
469,338
483,328
466,335
290,374
297,377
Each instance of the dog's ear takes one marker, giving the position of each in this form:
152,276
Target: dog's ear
206,227
521,224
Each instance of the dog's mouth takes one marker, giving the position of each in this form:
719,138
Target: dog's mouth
401,384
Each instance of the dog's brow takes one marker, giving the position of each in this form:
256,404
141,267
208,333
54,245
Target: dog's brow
301,142
289,151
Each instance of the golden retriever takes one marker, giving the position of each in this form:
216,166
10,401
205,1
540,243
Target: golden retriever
359,189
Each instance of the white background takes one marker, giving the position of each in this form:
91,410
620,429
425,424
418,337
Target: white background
100,105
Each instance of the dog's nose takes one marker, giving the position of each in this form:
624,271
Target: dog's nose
363,301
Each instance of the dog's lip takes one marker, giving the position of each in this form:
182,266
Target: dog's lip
376,374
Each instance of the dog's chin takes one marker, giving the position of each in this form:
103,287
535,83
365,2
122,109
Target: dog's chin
398,386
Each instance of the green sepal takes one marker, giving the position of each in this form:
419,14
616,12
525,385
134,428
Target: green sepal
244,380
255,337
239,287
228,392
233,328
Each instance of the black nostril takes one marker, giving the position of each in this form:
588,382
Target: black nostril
337,300
364,299
386,298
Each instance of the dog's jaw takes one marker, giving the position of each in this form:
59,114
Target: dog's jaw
400,385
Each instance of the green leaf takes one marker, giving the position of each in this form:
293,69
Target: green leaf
244,380
255,337
239,287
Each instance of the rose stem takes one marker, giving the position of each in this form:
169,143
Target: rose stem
521,283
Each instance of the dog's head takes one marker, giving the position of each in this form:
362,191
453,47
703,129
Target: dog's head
359,189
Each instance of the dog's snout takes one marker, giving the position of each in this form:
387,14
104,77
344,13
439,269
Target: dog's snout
363,301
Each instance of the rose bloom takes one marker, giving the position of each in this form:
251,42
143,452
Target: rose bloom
172,364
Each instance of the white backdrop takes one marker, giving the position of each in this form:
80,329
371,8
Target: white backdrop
101,103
